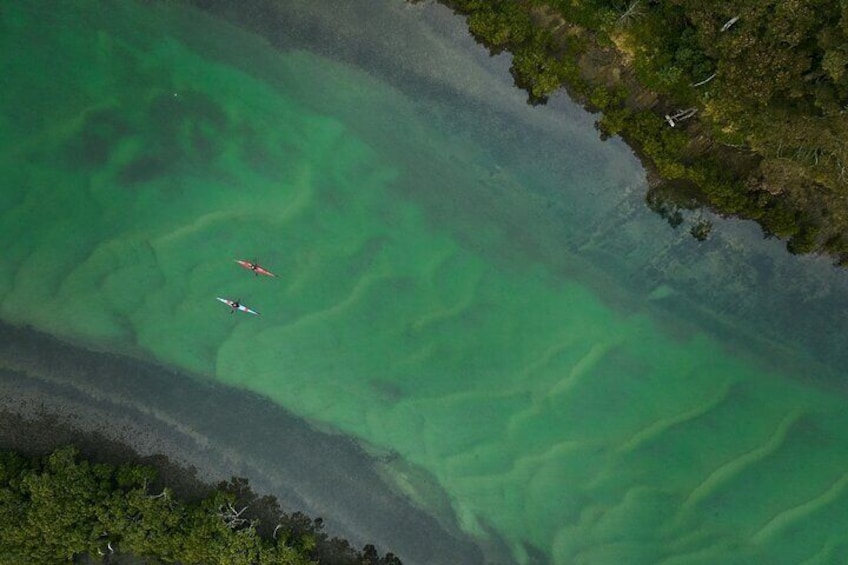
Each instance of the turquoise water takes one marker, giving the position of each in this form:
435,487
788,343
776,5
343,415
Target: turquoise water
497,310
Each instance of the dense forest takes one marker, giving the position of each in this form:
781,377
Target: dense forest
60,508
738,106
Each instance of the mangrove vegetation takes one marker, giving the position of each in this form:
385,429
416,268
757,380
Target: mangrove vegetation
738,106
61,508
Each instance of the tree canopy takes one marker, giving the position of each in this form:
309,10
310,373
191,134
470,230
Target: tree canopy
744,101
56,508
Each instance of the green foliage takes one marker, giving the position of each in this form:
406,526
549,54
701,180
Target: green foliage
508,24
805,240
614,120
602,99
768,80
500,23
664,145
780,220
538,72
57,508
701,230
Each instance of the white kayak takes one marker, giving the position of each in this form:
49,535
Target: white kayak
237,306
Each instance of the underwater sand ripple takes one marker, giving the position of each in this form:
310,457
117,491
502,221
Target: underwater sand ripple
738,465
398,319
656,428
583,367
798,513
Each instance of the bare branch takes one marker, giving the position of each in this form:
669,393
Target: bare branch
705,81
632,12
164,493
232,517
680,116
729,23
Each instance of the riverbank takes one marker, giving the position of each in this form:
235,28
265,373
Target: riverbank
756,139
196,433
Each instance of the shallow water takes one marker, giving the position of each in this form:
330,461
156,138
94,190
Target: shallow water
467,284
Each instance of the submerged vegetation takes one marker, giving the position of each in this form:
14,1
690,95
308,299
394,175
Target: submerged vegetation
739,106
59,508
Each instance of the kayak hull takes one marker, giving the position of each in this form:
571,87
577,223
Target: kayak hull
240,307
258,270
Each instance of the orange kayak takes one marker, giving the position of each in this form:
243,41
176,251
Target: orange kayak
255,267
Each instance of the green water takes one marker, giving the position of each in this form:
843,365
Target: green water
422,305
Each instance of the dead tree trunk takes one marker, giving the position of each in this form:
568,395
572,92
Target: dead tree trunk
680,116
232,517
705,81
729,23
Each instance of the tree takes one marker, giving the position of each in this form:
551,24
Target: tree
56,508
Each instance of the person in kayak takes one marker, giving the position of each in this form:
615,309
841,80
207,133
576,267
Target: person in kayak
237,305
255,267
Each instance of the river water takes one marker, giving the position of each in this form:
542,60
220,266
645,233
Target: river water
471,287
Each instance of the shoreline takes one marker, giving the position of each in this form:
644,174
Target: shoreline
116,408
697,165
